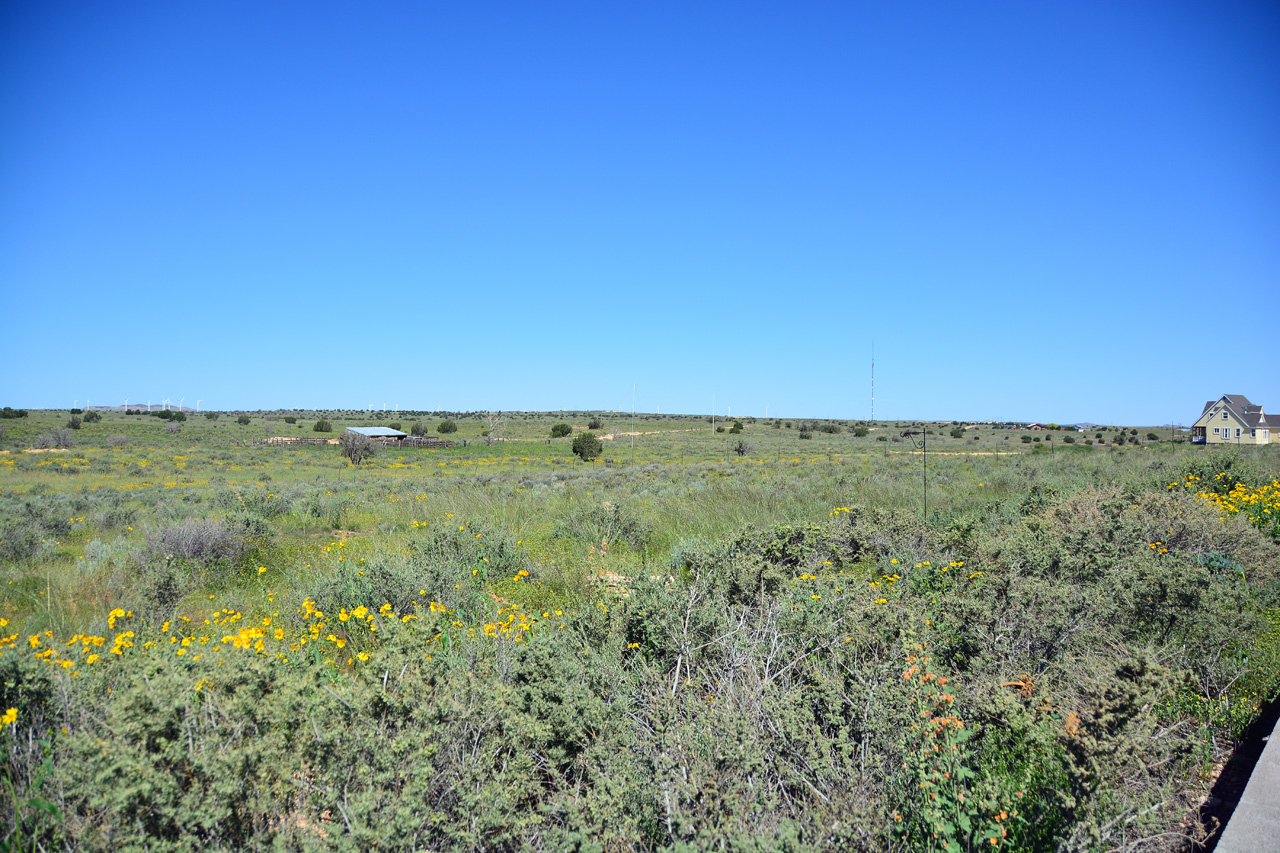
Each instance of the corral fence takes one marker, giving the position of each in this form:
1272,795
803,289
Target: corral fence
407,441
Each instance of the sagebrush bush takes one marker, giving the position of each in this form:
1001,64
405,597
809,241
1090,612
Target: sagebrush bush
197,541
614,523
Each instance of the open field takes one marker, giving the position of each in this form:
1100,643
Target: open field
216,644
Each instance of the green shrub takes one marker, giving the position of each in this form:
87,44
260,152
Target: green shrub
211,416
322,425
587,447
395,425
8,414
74,423
861,431
92,417
1069,439
1151,436
595,423
242,420
419,428
446,427
357,447
957,432
611,522
289,419
561,430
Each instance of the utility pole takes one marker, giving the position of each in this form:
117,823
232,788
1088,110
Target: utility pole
633,416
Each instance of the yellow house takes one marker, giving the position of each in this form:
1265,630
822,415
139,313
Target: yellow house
1232,419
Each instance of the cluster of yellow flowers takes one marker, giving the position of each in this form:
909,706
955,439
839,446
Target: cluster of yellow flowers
1260,504
230,631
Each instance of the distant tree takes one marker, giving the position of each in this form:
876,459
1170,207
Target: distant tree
742,448
1151,436
77,411
92,417
357,447
861,431
419,428
595,423
805,435
395,425
560,430
289,419
587,447
494,424
446,427
74,423
178,416
242,420
719,429
211,416
322,426
10,414
957,432
1026,439
1069,439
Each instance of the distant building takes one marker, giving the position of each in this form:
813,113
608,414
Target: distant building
382,435
1232,419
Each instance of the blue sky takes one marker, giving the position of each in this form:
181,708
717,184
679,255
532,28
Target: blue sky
1037,211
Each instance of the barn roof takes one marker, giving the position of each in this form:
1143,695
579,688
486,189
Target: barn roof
377,432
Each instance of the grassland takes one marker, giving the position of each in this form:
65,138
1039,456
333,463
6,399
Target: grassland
219,644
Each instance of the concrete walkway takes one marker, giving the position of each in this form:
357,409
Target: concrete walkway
1255,825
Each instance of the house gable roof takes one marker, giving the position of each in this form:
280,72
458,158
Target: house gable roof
1249,414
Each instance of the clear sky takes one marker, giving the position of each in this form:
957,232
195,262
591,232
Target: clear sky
1037,211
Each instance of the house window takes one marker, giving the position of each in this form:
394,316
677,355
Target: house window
1253,433
1224,416
1215,430
1237,432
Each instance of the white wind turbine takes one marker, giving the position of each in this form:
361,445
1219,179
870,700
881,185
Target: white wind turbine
180,399
197,407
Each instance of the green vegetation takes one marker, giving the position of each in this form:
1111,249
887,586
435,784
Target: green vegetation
587,447
322,425
561,430
447,427
218,644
